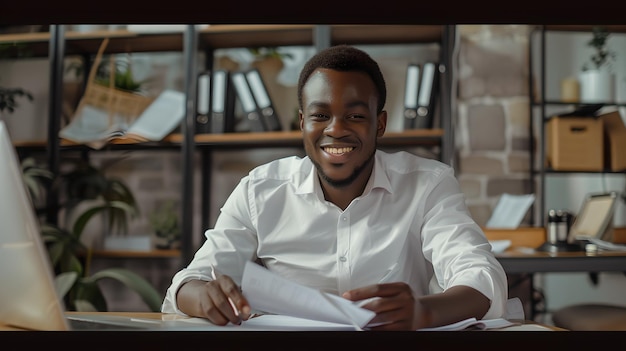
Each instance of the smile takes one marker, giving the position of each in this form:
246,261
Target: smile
338,150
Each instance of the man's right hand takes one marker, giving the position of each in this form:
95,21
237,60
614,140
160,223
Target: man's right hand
212,300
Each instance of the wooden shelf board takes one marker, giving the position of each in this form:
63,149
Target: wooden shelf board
135,254
414,137
586,28
226,36
380,34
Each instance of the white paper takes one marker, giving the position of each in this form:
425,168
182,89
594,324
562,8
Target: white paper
510,211
603,244
271,293
474,324
266,322
499,246
160,118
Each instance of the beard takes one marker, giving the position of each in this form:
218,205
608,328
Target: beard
340,183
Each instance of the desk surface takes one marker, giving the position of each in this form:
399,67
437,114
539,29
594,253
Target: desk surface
162,316
525,260
522,258
319,340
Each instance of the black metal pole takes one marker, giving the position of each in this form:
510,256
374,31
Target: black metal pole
56,52
188,146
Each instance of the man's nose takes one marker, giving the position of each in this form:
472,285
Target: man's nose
336,127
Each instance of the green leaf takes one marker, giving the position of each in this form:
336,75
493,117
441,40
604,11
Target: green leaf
64,282
133,281
84,218
88,296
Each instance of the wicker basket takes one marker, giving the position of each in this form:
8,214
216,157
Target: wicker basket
115,101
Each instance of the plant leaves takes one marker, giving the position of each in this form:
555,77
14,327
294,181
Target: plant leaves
64,282
133,281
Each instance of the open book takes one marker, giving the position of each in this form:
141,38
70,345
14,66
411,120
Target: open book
291,306
94,127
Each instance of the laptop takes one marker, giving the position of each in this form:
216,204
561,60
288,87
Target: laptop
28,298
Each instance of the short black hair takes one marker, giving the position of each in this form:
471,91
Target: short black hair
345,58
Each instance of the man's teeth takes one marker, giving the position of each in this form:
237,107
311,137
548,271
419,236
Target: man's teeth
338,150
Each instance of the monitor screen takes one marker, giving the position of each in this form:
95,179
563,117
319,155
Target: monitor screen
28,298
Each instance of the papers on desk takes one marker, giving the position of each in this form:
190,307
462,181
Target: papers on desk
602,244
271,293
510,211
269,322
499,246
474,324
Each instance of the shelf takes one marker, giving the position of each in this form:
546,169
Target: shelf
585,28
135,254
225,36
414,137
562,103
551,171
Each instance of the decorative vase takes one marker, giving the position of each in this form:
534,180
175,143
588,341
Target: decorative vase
596,86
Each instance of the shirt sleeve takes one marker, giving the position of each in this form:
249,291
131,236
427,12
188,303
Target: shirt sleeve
227,247
458,248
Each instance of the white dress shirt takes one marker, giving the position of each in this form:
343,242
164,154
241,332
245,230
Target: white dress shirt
410,224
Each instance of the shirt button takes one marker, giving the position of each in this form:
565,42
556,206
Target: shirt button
344,219
343,259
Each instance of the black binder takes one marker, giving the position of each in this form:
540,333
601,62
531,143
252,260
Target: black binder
250,109
203,102
222,103
410,95
427,97
271,121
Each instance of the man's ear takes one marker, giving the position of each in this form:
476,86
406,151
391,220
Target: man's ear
382,123
301,119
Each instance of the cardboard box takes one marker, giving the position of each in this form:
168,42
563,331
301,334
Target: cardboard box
575,143
614,141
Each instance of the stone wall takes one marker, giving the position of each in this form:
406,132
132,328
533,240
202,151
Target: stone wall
492,127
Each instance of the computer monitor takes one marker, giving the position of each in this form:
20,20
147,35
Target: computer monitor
28,298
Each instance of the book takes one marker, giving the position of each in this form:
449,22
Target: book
203,97
222,118
251,111
94,128
271,121
427,96
410,95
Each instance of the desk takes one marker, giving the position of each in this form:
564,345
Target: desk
172,340
519,260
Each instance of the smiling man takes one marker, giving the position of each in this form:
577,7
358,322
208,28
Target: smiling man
348,219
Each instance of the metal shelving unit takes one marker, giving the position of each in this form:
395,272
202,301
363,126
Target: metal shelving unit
57,43
539,101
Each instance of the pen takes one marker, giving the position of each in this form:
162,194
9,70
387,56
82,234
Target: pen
232,304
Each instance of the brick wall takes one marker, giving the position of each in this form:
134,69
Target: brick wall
492,133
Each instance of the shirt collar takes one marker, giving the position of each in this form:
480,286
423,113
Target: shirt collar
379,178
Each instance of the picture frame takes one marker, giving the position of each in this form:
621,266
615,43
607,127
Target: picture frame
595,218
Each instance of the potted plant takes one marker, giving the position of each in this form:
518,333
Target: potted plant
596,78
69,256
164,222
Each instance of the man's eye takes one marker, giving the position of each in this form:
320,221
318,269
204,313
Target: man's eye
357,116
318,116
